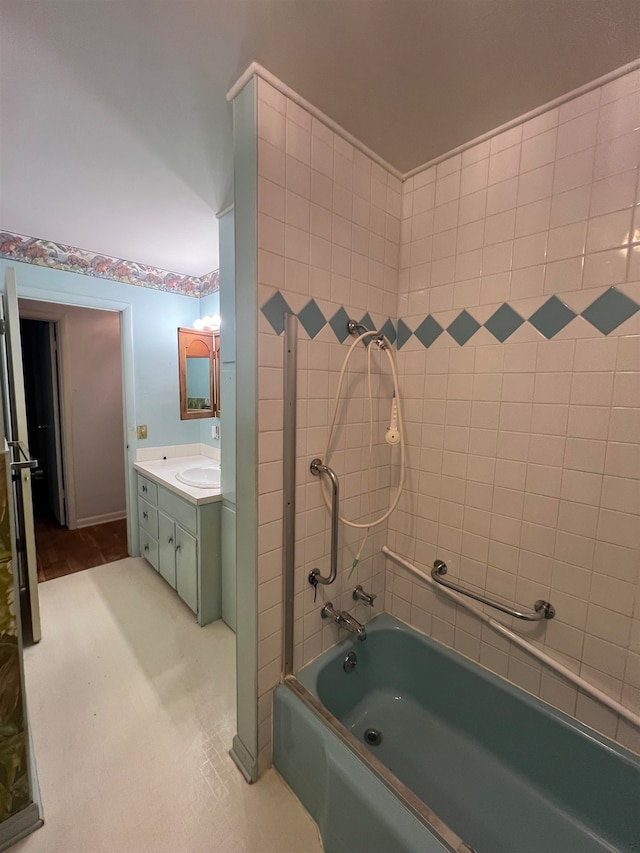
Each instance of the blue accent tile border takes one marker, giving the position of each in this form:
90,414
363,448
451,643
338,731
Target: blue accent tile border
504,322
610,310
404,333
339,325
274,310
551,317
312,318
606,313
389,331
428,331
368,323
463,328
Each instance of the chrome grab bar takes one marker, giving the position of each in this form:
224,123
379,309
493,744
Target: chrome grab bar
317,468
541,609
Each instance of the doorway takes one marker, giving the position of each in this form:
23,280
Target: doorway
73,387
44,422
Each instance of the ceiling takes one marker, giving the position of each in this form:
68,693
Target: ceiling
116,137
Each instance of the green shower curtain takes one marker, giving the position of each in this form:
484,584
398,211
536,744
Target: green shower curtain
15,791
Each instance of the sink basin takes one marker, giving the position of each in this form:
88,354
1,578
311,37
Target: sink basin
202,476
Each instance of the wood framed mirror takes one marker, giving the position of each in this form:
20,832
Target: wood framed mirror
198,366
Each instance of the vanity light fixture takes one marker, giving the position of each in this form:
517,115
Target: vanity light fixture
210,323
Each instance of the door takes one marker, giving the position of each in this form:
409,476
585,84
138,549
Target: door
187,568
50,424
167,548
41,376
15,417
55,440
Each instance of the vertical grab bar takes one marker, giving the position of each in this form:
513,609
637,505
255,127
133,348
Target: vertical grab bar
289,486
317,468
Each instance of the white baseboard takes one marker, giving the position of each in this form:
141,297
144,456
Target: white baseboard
101,519
243,760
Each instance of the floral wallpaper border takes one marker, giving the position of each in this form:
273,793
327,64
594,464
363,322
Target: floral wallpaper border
45,253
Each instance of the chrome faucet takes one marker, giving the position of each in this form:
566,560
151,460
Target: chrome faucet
344,620
360,595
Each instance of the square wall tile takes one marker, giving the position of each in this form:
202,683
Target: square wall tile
605,268
577,134
613,193
573,172
617,155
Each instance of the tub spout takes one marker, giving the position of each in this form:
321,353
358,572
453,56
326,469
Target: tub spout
344,620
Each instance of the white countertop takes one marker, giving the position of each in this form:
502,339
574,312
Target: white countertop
163,472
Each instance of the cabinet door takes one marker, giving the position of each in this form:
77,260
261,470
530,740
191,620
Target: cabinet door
167,544
187,568
148,548
148,517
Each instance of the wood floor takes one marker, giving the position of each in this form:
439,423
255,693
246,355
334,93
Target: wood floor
61,551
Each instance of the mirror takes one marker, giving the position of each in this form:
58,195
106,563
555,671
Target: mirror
198,360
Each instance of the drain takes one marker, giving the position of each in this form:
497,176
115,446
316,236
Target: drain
350,662
373,737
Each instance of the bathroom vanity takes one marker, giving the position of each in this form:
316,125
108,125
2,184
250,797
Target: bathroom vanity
179,528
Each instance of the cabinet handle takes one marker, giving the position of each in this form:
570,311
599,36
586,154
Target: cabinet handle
146,547
144,488
145,515
170,540
178,546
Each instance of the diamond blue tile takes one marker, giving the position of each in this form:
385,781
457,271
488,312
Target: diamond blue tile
463,328
368,323
388,330
503,322
312,318
274,310
339,325
428,331
610,310
551,317
404,333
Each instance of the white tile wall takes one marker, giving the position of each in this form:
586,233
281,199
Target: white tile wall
525,455
328,229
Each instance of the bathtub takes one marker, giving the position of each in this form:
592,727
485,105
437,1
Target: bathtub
419,749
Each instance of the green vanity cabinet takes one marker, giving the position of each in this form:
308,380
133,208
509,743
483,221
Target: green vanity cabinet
181,540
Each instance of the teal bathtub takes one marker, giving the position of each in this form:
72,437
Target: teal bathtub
419,749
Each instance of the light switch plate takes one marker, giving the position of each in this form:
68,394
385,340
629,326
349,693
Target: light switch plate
142,430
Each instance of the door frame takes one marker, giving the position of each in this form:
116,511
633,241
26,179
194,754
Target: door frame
125,309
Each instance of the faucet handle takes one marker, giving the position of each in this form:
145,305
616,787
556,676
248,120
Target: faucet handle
328,612
360,595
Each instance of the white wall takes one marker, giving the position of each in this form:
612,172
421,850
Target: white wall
522,450
91,362
328,228
525,454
